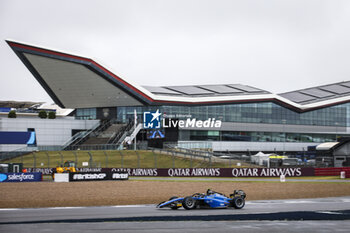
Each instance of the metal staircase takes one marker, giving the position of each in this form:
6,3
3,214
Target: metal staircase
120,134
83,136
104,135
133,134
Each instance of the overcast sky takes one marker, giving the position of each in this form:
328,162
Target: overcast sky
274,45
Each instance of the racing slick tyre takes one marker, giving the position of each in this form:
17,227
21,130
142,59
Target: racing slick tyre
238,202
173,206
189,203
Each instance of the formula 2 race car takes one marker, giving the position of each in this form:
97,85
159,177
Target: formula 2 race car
211,199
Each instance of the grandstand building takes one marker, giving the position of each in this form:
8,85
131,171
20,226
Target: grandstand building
251,119
28,132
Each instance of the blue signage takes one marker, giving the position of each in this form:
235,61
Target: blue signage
156,133
3,177
151,120
21,177
28,138
5,109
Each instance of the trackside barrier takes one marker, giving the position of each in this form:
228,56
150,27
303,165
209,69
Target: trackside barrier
332,171
283,178
197,172
215,172
96,176
61,177
342,175
21,177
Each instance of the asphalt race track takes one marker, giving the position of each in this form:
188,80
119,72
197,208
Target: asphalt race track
266,216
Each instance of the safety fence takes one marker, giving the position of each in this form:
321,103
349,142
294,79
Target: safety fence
155,158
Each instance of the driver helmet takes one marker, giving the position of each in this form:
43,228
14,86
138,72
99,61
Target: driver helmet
209,192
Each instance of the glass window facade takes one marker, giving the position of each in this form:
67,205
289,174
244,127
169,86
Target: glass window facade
125,114
268,112
205,135
86,113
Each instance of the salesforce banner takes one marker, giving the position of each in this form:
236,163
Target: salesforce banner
21,177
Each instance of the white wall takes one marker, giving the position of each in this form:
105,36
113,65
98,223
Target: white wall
261,146
244,146
48,131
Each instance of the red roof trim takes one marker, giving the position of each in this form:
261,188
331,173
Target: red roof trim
13,44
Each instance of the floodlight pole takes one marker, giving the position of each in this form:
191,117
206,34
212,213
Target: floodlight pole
284,133
336,131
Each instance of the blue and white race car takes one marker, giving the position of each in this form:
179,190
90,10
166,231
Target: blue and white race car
211,199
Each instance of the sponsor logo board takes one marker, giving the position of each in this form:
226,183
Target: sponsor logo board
217,172
96,176
198,172
21,177
3,177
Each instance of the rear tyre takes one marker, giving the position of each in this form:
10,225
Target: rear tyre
238,202
189,203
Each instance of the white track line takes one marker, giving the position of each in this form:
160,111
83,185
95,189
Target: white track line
260,202
328,212
298,201
10,209
65,208
129,206
76,207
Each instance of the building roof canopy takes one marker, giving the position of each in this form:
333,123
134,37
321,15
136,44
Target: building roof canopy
79,82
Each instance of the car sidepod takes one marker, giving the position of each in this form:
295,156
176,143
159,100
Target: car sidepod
217,201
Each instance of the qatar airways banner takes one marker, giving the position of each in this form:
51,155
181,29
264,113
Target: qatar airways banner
221,172
200,172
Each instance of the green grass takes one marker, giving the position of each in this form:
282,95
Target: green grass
114,158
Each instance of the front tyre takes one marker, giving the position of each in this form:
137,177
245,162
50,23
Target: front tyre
238,202
189,203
